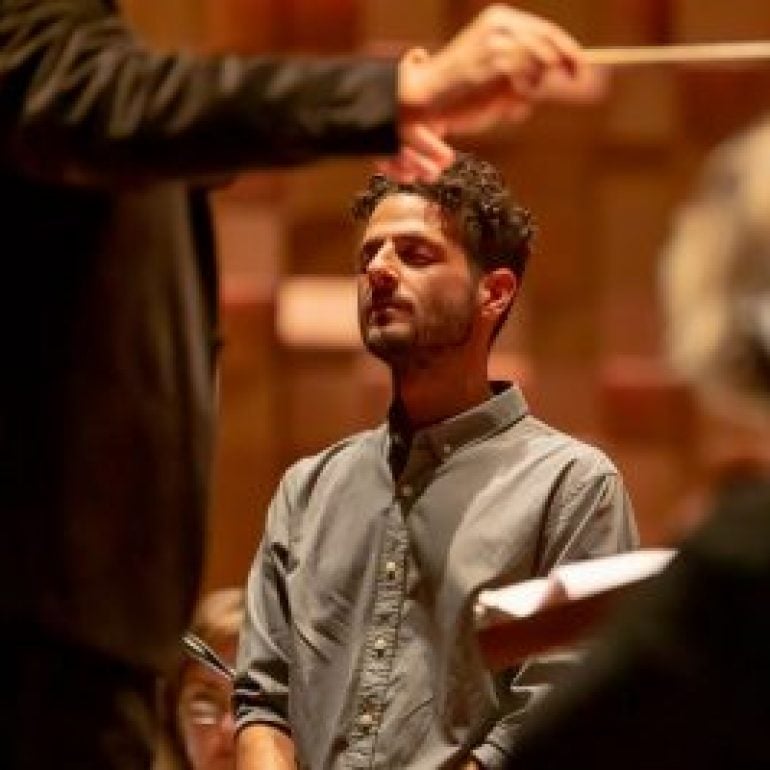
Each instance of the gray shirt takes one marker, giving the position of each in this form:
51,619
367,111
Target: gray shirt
359,638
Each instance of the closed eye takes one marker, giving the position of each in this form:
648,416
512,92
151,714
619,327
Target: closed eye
410,250
417,253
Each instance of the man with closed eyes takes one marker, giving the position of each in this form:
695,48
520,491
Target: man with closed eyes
358,649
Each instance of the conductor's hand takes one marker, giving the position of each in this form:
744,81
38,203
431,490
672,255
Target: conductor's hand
493,71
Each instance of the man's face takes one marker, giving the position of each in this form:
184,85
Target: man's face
417,295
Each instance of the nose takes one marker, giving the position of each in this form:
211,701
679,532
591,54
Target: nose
381,269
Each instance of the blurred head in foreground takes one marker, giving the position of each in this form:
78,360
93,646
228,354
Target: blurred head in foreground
716,280
200,722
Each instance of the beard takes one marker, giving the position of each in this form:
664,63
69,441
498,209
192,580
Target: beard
413,337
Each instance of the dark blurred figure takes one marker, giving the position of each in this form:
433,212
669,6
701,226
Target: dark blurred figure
198,720
109,321
681,679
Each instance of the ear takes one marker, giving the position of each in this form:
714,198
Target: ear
497,291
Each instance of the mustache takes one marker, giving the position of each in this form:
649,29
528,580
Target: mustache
373,302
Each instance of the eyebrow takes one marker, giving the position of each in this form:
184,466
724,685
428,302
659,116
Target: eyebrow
414,237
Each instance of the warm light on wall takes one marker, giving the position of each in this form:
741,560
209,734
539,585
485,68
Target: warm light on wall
317,313
512,367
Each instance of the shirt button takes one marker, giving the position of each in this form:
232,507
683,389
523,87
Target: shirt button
366,721
406,491
380,645
391,570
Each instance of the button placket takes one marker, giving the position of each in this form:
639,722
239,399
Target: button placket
379,647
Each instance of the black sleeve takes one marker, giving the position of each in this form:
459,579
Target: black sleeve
82,99
681,677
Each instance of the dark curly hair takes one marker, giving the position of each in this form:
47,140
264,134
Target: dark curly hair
494,230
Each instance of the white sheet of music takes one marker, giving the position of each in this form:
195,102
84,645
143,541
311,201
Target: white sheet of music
576,580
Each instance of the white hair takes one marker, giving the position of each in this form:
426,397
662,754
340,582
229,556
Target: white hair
716,275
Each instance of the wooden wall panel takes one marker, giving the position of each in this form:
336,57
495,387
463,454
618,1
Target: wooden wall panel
317,26
642,109
707,20
250,241
247,464
578,17
244,26
633,204
174,25
320,401
631,22
716,102
423,23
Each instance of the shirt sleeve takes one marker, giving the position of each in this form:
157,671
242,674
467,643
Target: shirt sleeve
83,101
591,516
264,649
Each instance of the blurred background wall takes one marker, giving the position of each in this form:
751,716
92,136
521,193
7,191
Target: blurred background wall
585,341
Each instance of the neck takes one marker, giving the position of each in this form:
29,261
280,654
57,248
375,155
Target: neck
442,389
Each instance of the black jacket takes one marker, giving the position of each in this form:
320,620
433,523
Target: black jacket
108,310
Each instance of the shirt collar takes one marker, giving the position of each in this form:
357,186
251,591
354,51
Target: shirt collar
506,406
